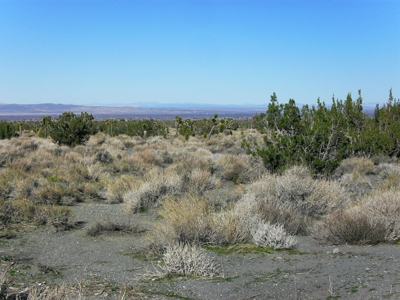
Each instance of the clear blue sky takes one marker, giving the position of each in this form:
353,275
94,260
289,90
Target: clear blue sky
218,51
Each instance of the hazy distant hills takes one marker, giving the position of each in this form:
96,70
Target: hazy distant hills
138,110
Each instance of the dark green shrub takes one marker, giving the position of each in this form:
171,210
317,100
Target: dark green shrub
71,130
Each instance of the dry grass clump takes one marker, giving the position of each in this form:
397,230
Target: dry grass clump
188,260
188,219
191,219
376,218
353,226
117,187
384,207
149,193
231,227
96,172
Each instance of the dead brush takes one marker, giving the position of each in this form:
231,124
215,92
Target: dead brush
55,292
188,260
267,235
111,227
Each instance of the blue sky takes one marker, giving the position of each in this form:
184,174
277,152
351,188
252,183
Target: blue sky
98,52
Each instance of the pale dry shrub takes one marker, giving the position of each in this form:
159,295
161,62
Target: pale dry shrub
132,164
359,166
224,195
165,157
117,187
25,144
51,193
188,260
232,167
270,210
187,161
390,176
158,142
8,178
128,141
386,169
200,181
75,158
24,164
293,199
113,143
267,235
152,191
312,197
147,156
356,185
96,140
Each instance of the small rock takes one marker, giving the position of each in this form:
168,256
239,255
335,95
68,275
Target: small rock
336,251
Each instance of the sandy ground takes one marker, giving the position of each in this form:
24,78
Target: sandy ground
313,272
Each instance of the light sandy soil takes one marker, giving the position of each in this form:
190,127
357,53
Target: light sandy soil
313,272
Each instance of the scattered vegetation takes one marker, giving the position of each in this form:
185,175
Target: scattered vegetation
313,171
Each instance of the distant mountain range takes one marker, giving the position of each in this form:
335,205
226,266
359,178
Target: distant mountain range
137,110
